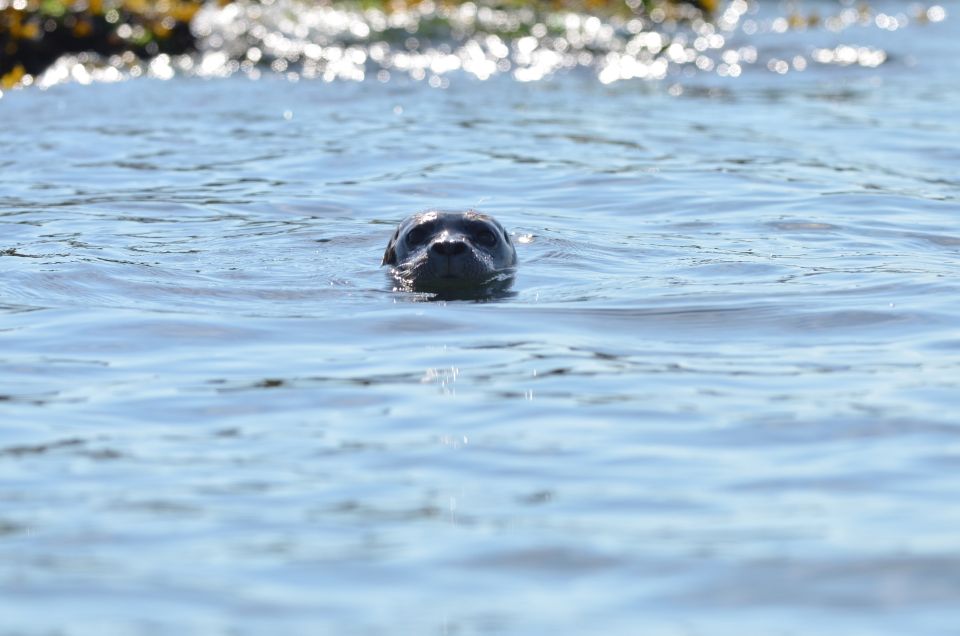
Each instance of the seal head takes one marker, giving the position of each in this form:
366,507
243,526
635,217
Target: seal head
451,253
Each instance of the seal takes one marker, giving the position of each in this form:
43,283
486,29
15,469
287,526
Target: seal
451,253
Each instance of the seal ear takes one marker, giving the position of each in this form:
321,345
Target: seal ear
390,256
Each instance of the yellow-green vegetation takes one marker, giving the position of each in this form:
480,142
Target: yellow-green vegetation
599,7
34,33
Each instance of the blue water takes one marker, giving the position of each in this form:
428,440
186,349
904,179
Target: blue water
722,399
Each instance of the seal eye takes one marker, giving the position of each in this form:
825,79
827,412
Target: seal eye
486,238
419,235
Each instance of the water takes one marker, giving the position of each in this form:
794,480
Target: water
721,400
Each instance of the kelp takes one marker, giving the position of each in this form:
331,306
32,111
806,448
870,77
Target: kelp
35,33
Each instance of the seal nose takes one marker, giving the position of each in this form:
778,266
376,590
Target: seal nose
449,247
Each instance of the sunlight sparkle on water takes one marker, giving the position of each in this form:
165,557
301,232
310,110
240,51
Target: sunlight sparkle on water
428,42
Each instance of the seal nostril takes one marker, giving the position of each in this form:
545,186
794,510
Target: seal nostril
449,248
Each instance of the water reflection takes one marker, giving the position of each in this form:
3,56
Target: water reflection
729,359
431,41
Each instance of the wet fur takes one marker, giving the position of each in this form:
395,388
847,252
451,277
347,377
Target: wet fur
475,266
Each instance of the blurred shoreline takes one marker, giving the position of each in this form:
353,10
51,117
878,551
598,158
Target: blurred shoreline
34,34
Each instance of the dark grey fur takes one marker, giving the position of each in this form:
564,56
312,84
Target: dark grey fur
444,252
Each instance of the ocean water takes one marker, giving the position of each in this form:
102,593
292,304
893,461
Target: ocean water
722,398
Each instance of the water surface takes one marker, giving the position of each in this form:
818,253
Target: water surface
721,400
